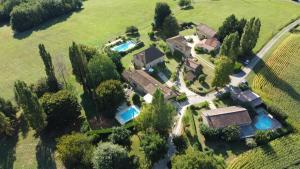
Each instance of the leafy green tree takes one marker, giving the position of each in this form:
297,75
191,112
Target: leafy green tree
170,27
88,51
109,95
49,68
79,65
62,108
121,136
110,156
230,46
231,133
162,10
132,30
197,160
154,146
224,68
29,102
185,3
228,27
250,35
5,125
158,115
75,151
101,68
136,100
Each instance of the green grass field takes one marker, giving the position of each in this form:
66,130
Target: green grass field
278,82
103,20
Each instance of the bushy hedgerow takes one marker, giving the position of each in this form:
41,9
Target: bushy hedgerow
33,13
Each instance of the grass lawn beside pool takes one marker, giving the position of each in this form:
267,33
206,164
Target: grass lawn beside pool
103,20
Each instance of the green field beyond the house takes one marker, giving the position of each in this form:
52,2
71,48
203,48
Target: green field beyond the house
277,81
100,21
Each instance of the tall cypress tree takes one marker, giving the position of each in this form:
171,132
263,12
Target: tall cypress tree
49,68
79,66
162,10
32,109
231,46
250,35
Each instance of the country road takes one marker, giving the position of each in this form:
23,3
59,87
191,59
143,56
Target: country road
235,80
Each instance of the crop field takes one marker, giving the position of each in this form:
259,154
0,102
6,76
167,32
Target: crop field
278,82
100,21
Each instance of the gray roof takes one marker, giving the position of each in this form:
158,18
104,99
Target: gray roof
180,42
206,30
149,55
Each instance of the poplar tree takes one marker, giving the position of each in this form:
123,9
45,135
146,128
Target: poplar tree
30,105
231,46
250,35
79,65
162,10
49,68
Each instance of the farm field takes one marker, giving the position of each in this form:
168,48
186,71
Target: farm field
101,21
278,82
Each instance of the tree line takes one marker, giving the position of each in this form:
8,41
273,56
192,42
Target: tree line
25,14
239,38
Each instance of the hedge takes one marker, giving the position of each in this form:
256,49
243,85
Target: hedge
101,134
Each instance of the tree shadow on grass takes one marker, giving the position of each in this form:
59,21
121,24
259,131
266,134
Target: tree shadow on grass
89,106
226,149
45,154
8,151
265,70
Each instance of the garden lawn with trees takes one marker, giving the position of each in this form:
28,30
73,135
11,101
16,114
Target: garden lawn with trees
87,27
276,80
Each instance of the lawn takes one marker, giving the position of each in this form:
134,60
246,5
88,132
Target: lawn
103,20
278,82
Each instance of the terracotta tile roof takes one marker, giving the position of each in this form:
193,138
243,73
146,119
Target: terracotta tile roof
180,42
149,55
147,82
206,30
213,42
223,117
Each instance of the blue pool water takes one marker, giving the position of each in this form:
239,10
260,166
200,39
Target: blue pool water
128,114
124,46
263,121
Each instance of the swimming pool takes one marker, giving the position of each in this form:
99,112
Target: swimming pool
123,47
128,114
263,121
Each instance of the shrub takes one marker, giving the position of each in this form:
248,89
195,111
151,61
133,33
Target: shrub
110,156
180,142
237,67
151,35
132,31
251,143
209,133
200,50
62,108
182,97
202,78
136,100
33,13
231,133
262,137
184,3
121,136
75,151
